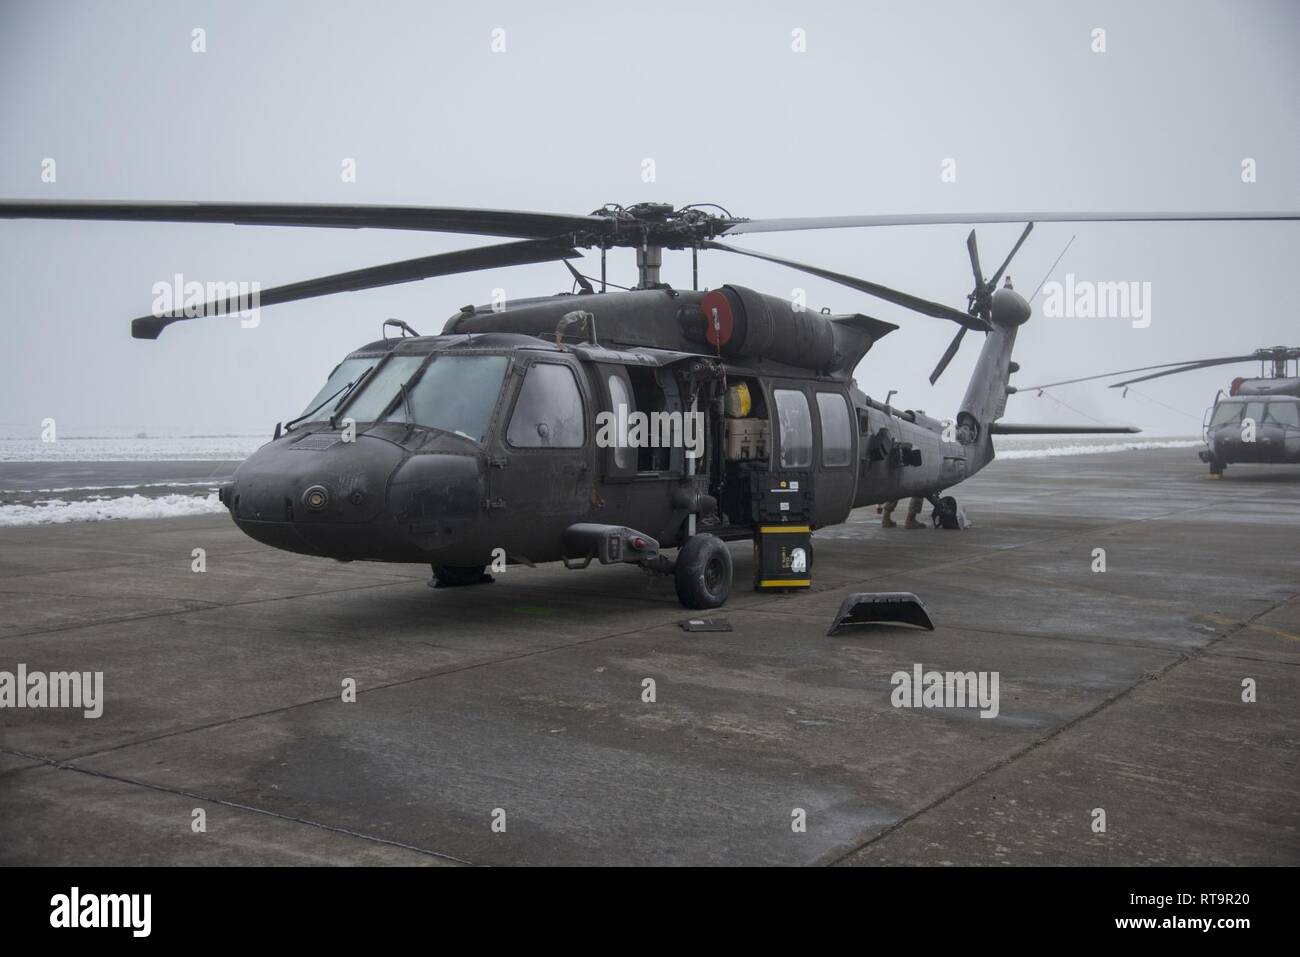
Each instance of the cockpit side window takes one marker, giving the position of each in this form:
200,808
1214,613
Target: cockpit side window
795,425
548,412
1226,412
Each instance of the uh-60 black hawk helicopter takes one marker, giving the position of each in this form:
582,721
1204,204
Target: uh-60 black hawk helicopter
1257,421
481,441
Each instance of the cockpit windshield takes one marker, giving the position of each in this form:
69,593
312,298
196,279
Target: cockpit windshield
453,393
337,387
1271,411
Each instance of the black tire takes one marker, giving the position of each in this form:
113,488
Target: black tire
703,572
947,518
457,576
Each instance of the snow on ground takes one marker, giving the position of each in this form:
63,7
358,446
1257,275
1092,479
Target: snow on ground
57,511
1051,451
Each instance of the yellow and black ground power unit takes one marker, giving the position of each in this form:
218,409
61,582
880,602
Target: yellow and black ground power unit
781,503
783,557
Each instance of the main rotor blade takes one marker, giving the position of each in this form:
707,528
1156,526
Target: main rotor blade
1185,364
947,356
1029,228
1191,367
907,301
388,274
438,219
938,219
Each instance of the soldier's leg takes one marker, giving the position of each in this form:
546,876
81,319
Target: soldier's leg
913,510
887,514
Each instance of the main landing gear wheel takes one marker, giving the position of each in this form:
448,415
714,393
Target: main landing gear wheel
703,572
457,576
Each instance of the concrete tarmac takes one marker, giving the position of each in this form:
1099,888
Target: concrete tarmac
523,702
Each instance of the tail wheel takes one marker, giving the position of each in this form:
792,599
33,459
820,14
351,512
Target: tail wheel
945,513
703,572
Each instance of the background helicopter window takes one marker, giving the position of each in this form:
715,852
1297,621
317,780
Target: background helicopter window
1254,412
1284,413
548,413
346,371
618,397
1227,412
837,429
380,388
795,424
456,394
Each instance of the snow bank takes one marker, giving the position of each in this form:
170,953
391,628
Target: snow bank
57,511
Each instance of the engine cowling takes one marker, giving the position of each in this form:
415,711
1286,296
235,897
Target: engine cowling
742,322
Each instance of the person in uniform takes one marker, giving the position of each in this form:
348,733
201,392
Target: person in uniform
913,510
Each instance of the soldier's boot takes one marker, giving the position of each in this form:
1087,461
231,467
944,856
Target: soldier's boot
887,515
913,510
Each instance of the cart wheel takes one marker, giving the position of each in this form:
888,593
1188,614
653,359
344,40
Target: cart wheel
703,572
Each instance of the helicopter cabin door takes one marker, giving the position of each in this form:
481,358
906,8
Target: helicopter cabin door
813,422
642,456
545,484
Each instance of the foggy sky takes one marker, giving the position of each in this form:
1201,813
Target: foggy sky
561,122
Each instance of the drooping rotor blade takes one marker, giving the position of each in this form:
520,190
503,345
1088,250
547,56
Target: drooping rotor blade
439,219
948,355
907,301
389,274
1190,367
993,280
938,219
1184,365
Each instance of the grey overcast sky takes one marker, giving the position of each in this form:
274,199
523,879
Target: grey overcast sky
561,121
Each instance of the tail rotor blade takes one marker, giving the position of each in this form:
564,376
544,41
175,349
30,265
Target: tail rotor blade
973,248
948,355
1029,227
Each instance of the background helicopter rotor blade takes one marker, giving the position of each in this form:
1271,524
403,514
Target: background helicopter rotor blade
1190,367
907,301
1186,364
388,274
439,219
939,219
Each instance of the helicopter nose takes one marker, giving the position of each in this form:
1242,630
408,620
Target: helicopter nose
313,479
367,499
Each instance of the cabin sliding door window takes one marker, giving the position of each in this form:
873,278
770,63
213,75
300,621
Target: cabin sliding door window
795,425
548,412
837,429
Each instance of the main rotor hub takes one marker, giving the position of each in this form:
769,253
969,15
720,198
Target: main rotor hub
646,225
